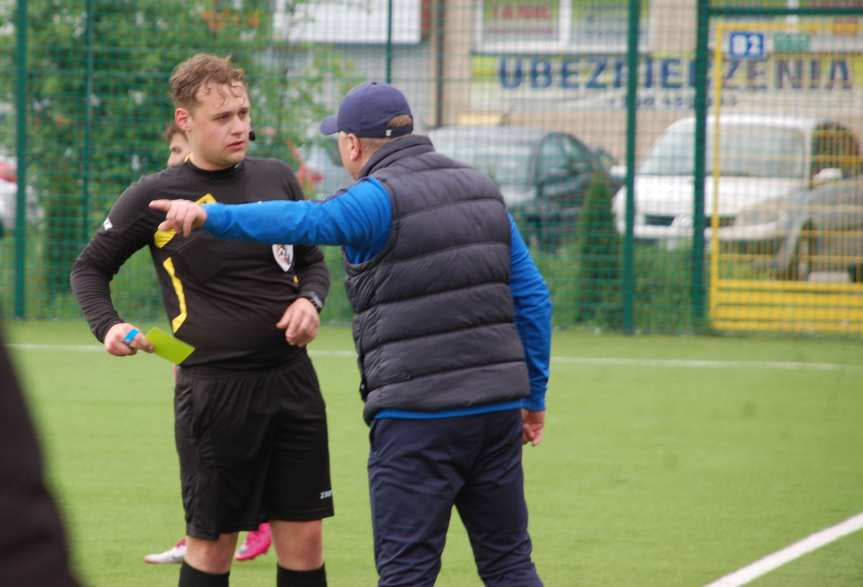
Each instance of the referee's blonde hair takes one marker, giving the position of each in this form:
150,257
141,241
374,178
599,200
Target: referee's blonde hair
197,72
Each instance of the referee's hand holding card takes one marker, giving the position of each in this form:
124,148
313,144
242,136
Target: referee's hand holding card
125,339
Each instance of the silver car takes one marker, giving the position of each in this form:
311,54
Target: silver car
817,231
758,158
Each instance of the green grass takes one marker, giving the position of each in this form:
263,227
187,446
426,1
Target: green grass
649,475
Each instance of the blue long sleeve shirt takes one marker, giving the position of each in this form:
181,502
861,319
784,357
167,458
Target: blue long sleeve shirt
359,220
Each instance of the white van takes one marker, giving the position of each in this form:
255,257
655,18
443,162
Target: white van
760,157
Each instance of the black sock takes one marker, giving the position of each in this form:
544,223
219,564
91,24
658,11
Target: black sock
192,577
314,578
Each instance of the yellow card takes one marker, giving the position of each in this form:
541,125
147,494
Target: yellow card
168,347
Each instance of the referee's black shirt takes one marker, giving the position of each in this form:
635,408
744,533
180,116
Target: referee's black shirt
223,297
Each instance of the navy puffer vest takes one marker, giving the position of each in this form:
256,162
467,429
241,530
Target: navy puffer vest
433,312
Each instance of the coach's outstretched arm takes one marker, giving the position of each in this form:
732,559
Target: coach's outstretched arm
358,218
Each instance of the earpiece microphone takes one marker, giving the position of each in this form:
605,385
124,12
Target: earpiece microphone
252,135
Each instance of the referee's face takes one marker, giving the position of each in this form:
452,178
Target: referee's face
219,126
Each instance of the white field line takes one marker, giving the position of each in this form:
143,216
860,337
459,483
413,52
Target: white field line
703,363
97,348
788,554
64,348
602,361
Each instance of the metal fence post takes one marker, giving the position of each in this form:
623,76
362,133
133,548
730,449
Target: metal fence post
21,147
697,286
440,35
87,147
631,129
389,57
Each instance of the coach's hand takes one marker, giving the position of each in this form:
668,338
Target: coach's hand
180,215
124,339
300,322
532,424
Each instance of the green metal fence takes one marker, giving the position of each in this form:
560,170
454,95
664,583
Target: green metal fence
592,115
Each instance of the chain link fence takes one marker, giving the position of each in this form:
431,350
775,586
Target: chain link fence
743,121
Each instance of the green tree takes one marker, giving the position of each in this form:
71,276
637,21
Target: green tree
98,96
598,258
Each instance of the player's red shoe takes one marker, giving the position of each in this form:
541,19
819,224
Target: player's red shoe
255,544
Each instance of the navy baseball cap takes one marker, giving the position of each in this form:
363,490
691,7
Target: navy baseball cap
367,109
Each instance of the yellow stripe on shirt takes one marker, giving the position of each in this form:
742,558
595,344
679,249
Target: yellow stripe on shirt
163,237
181,297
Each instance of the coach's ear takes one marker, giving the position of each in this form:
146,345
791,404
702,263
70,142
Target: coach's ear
354,146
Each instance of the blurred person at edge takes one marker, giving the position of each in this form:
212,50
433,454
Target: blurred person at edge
33,549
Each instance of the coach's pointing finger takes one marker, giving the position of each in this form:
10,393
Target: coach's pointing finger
180,215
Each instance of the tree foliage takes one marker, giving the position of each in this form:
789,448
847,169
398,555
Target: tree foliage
598,257
98,74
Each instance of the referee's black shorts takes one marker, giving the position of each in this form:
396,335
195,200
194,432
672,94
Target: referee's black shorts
252,447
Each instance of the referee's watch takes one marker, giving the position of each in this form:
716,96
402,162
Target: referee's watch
315,299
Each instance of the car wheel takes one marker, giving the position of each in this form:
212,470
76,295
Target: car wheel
800,265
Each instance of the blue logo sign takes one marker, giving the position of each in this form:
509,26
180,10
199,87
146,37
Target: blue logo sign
746,45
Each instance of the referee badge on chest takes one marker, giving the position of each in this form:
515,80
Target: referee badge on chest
284,255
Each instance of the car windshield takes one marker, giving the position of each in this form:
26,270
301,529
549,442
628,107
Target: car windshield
744,151
506,163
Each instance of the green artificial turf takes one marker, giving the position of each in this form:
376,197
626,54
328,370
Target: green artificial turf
654,470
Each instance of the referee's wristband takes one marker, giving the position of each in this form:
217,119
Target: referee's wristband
130,336
315,299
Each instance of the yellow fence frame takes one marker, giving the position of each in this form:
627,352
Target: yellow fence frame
771,305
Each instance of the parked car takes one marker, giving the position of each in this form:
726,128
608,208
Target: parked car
9,196
805,232
605,158
323,167
542,175
760,157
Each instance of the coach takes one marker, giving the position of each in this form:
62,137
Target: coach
453,373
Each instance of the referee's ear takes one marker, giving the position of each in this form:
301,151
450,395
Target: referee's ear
182,117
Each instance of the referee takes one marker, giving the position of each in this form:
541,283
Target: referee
250,421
